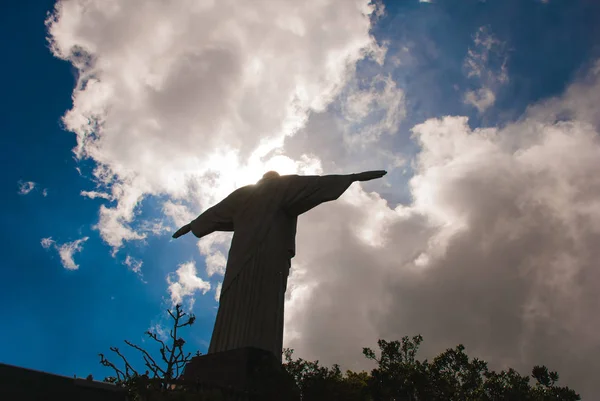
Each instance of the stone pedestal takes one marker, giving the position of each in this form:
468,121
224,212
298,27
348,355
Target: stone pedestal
249,369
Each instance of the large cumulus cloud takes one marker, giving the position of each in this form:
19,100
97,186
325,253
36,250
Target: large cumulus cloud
188,98
498,248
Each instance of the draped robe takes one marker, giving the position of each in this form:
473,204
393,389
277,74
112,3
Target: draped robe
263,218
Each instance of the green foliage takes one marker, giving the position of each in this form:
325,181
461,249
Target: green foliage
319,383
399,375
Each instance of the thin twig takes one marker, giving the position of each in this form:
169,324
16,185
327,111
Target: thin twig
127,365
155,338
146,354
109,364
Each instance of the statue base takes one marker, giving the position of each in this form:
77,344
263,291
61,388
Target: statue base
251,371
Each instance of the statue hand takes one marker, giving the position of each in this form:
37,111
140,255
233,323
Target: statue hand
369,175
182,231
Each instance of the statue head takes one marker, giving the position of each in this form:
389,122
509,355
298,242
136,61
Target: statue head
269,175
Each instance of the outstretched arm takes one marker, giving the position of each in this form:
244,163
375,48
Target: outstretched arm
305,192
183,230
217,218
369,175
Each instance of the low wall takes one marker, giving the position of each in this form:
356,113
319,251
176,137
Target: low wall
21,384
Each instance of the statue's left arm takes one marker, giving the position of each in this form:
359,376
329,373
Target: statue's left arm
305,192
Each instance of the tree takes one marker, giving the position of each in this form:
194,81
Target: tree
399,375
319,383
160,374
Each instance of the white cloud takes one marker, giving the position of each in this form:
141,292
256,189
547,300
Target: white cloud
213,247
498,249
478,66
186,284
161,331
96,194
358,131
156,227
26,187
114,222
47,242
180,214
134,265
368,113
188,103
481,99
68,250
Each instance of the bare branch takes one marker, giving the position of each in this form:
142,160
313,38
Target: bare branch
155,338
162,354
128,367
177,367
153,367
189,322
107,363
146,354
171,353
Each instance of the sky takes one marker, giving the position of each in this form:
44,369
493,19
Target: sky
125,119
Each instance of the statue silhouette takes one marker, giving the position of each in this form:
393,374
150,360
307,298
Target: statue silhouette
263,218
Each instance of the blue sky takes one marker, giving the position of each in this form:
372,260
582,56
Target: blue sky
58,319
62,319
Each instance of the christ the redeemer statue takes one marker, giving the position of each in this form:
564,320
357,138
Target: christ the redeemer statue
263,219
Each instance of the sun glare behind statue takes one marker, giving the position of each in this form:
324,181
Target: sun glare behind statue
230,173
281,164
233,174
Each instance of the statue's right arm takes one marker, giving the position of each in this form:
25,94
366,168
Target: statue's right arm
216,218
183,230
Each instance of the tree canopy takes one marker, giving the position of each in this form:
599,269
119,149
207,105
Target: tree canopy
399,375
